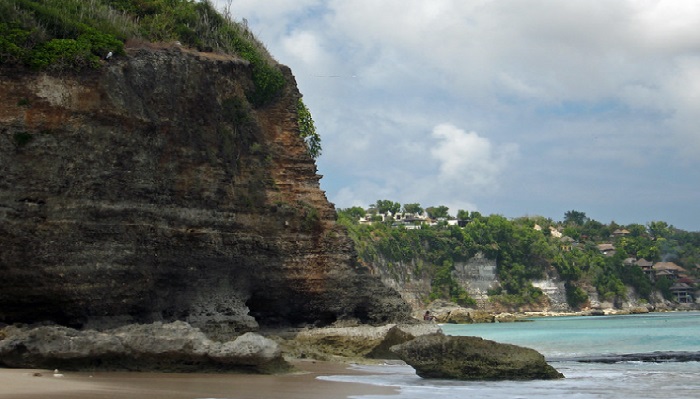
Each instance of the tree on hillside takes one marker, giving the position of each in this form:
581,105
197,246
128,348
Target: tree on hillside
307,130
463,215
575,217
355,212
437,211
384,206
659,229
572,231
639,247
575,295
413,208
476,216
636,230
596,230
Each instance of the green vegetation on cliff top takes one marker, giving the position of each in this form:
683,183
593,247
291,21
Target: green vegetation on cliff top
523,253
60,34
79,34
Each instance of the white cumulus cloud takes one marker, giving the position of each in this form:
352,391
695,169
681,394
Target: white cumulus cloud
467,159
304,46
600,96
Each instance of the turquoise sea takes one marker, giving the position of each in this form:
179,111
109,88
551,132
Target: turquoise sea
566,342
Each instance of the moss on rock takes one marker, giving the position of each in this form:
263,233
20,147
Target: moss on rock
473,358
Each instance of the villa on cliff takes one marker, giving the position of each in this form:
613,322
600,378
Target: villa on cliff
670,270
553,231
410,221
620,232
606,249
683,292
683,287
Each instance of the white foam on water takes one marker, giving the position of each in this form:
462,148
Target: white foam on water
568,337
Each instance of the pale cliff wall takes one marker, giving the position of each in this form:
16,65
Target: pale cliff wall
151,189
479,274
476,276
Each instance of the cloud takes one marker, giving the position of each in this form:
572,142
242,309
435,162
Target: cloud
468,159
305,46
272,11
586,88
683,94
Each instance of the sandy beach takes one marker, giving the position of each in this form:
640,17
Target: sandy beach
36,384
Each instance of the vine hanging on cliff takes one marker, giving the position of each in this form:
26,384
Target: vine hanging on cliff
307,130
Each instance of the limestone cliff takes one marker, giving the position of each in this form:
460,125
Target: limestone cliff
476,276
150,189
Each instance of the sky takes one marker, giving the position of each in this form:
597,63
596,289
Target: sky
509,107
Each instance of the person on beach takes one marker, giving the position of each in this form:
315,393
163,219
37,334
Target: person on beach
428,317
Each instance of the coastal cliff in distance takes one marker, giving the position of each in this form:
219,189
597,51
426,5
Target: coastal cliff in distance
152,189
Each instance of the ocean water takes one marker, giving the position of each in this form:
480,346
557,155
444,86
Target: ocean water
564,341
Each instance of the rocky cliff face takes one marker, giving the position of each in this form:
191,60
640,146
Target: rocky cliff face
477,275
151,190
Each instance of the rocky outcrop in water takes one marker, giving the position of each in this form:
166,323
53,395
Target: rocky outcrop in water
652,357
151,190
473,358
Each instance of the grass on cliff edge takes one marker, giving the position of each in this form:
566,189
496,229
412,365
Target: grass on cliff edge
78,34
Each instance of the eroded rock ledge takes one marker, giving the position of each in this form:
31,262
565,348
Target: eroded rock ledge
171,347
179,347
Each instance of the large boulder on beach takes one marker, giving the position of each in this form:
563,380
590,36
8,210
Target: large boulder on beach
355,342
473,358
173,347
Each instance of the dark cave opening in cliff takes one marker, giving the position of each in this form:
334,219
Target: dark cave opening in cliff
361,312
282,313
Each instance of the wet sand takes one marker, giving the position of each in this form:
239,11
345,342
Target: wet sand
25,384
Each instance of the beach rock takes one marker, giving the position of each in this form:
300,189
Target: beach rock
480,316
356,342
174,347
653,357
465,316
596,312
449,312
640,310
473,358
454,316
506,318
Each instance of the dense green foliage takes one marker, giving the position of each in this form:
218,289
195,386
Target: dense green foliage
523,253
307,130
76,34
433,250
61,34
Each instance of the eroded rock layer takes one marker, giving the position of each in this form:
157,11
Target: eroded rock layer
151,190
172,347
